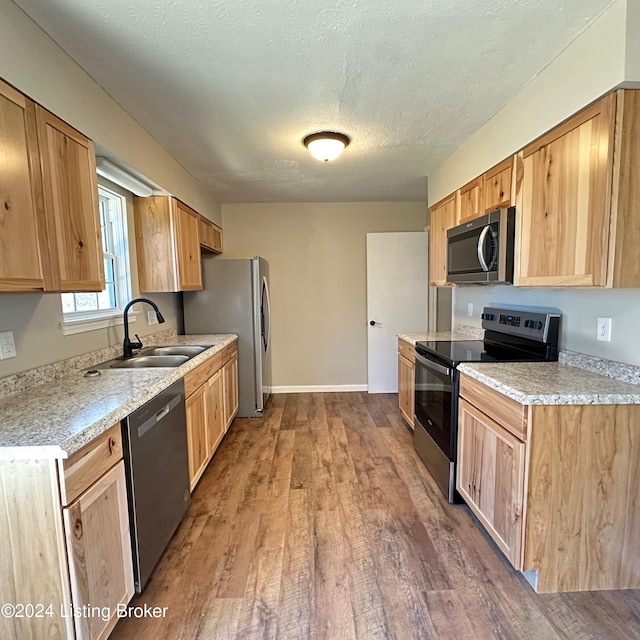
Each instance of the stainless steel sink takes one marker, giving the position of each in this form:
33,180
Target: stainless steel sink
142,362
174,350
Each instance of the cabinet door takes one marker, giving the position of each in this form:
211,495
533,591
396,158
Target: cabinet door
197,434
470,201
565,201
23,244
99,550
71,205
496,186
490,478
210,235
215,409
230,385
406,387
443,217
188,248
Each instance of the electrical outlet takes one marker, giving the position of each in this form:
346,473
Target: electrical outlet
151,317
470,309
7,345
604,329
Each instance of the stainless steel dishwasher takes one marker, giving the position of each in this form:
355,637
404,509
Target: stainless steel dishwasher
157,468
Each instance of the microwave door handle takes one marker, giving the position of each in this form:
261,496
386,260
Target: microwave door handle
494,254
481,239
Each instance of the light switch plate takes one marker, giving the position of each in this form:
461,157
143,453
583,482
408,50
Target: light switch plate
470,309
7,345
603,332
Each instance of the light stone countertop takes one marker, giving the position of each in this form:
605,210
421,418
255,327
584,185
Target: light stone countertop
551,383
464,332
56,419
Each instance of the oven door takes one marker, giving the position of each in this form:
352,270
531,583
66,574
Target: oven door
434,398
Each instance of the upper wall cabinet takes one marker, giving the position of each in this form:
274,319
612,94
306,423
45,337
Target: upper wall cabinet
71,204
50,236
496,186
210,235
470,201
168,245
443,217
578,199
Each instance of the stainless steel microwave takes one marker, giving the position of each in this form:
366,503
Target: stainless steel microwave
481,251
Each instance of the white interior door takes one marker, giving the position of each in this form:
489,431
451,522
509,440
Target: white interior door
396,301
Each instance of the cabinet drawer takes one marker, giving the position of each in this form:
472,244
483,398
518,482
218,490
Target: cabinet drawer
407,350
84,467
196,378
508,413
229,351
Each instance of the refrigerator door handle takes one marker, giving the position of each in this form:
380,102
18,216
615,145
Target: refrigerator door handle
265,296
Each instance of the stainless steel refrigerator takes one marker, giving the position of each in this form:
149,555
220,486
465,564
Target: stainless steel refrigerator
235,299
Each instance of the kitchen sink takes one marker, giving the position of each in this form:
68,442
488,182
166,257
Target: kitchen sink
174,350
169,356
145,361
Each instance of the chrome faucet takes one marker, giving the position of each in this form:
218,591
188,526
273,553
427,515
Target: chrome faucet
127,345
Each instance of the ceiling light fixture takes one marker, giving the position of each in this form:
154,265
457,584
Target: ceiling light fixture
326,145
117,174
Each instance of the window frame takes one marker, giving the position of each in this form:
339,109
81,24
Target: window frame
117,228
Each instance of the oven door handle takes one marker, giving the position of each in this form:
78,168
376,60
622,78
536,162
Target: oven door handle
433,365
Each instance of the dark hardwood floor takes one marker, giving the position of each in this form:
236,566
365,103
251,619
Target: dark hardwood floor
319,521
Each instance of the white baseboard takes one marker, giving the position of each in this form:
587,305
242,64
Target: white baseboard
319,388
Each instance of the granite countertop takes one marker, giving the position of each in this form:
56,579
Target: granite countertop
463,332
551,383
56,419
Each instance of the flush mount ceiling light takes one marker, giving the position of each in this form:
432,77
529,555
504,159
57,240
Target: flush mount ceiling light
326,145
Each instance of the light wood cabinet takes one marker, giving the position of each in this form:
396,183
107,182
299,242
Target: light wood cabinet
565,200
491,478
470,197
99,552
443,217
406,380
197,434
65,528
230,386
51,237
216,426
555,487
23,243
167,244
496,186
71,203
210,235
211,402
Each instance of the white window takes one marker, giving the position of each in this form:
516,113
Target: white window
89,311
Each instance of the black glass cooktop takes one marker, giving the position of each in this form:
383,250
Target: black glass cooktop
454,352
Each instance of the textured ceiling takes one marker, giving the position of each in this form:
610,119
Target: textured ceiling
230,88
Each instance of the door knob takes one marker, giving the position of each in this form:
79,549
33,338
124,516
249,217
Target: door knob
373,323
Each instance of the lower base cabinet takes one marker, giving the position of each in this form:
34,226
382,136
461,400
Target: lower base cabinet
555,486
406,380
211,404
66,545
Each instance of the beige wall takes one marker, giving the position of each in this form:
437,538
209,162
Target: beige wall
590,66
36,65
35,319
317,261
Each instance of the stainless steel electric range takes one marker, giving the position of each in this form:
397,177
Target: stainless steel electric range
510,336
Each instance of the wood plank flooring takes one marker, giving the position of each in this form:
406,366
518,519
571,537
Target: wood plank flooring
319,521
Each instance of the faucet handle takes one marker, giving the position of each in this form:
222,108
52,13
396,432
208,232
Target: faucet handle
137,345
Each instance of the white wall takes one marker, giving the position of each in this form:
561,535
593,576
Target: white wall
580,309
589,67
37,66
317,263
